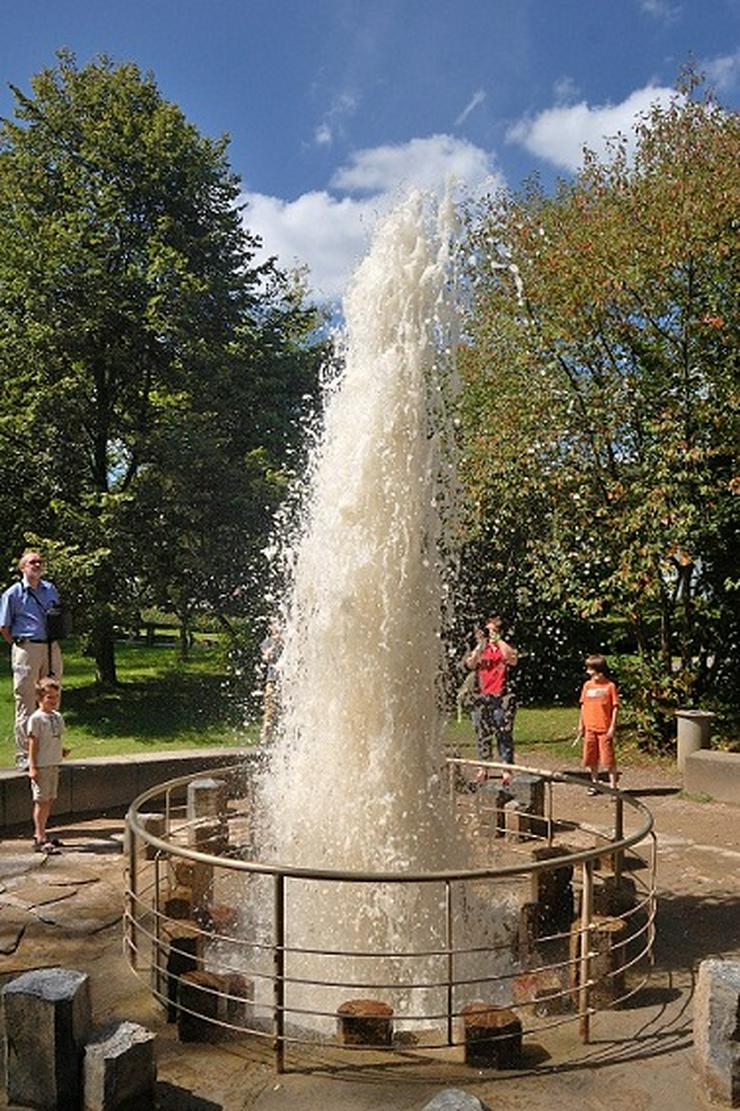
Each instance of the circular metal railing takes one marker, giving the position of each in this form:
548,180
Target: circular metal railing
578,934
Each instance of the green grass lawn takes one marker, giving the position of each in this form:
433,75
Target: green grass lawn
160,705
535,728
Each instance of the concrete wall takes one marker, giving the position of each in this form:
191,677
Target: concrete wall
105,784
716,774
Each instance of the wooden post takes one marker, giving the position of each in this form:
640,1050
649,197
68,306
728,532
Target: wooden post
584,970
365,1022
492,1036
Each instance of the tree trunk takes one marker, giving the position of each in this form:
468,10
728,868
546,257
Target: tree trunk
184,638
104,650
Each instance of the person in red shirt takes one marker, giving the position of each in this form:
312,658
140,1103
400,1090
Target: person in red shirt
494,708
598,721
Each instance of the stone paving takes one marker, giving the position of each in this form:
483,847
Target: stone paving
66,910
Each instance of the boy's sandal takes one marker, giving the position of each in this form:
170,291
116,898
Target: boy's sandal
49,848
54,841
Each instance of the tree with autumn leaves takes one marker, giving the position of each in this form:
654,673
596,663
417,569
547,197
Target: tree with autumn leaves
600,407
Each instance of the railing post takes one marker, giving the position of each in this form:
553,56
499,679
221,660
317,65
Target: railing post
450,968
618,856
279,967
550,823
157,926
133,900
584,963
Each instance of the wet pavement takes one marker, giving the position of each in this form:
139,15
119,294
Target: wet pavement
67,910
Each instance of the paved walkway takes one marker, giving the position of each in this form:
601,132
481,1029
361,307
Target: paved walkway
66,910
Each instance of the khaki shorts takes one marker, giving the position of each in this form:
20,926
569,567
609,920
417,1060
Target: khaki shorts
46,787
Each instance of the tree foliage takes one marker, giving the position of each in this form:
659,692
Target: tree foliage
601,400
150,368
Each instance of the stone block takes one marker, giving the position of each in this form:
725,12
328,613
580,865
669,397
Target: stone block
716,774
717,1029
454,1099
552,890
119,1069
607,940
615,896
492,1036
209,835
181,950
47,1022
208,999
365,1022
155,824
206,798
178,903
540,991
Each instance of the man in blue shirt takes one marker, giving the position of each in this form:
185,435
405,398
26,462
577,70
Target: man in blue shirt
23,609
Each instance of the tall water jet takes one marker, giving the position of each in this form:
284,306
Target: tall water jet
353,779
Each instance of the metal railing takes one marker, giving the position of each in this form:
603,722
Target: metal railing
580,964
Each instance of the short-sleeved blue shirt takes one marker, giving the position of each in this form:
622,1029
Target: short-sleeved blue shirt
23,610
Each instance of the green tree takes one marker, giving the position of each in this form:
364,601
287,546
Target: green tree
144,355
601,398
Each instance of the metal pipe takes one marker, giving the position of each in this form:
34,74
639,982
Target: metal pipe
618,856
584,964
450,969
132,887
279,966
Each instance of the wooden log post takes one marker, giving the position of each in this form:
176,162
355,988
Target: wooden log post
213,1006
180,951
492,1036
552,890
607,942
542,991
367,1022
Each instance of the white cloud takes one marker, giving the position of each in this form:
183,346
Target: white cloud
565,90
723,72
423,162
477,98
343,106
662,10
328,230
328,234
559,134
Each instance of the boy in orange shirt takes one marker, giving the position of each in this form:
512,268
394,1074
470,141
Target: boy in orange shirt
598,720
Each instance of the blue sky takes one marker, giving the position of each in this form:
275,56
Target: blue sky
333,106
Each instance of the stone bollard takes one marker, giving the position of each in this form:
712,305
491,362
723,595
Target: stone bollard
210,836
119,1069
154,824
692,733
206,810
608,942
524,947
365,1022
717,1029
542,991
492,1036
494,798
178,903
206,798
47,1021
552,890
196,876
529,808
454,1099
208,999
181,951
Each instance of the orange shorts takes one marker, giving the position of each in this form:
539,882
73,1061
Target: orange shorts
598,750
